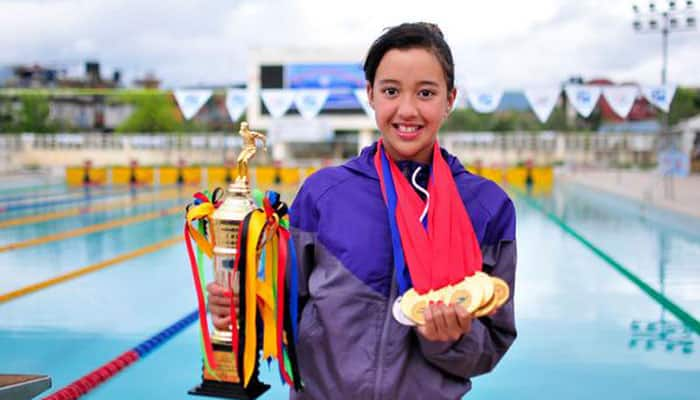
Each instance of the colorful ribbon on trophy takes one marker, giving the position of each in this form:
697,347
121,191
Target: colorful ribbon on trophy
263,249
446,250
201,211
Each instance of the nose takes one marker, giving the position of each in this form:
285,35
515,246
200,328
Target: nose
407,108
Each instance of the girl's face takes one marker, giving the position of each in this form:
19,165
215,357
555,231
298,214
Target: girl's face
410,100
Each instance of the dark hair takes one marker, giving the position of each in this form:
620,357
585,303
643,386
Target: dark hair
421,35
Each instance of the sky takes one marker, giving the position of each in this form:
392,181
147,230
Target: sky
509,44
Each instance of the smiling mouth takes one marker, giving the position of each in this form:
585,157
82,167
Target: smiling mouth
407,131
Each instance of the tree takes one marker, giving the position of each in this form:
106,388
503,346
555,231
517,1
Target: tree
153,112
685,104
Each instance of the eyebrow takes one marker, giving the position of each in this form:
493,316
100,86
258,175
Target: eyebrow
394,81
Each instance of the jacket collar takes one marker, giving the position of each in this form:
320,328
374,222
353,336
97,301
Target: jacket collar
364,163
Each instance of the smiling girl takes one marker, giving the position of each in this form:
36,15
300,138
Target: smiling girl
351,265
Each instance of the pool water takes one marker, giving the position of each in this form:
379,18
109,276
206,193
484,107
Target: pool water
585,331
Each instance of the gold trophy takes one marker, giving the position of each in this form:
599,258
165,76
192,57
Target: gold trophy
237,203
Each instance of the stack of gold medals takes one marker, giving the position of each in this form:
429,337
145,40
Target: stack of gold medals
479,294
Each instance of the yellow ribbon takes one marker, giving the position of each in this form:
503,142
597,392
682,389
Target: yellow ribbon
256,225
204,210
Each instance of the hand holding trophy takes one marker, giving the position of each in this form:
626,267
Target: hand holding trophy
249,246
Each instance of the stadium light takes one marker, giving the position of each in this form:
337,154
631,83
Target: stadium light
665,19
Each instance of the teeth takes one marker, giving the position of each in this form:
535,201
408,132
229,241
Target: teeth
408,129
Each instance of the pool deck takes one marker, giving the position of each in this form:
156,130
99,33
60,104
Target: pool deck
681,195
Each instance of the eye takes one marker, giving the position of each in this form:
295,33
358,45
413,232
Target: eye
390,91
426,93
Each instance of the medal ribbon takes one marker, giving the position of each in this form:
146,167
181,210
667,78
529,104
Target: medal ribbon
447,250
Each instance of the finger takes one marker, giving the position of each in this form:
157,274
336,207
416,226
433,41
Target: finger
464,318
219,300
454,330
428,329
221,323
215,289
440,322
219,311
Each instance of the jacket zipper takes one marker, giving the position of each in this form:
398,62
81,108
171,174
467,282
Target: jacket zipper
382,338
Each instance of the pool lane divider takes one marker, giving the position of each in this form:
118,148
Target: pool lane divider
89,269
87,196
34,188
89,209
664,301
90,381
91,229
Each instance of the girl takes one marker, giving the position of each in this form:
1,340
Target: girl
350,346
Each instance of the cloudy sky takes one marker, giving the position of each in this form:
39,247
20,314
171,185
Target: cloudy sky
509,43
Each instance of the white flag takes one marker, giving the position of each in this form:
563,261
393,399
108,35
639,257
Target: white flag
361,95
583,98
190,101
484,101
542,101
460,99
309,102
236,102
660,95
277,101
621,98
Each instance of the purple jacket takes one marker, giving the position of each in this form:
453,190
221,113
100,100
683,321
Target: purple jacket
350,346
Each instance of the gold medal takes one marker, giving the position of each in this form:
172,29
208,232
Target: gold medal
468,293
501,292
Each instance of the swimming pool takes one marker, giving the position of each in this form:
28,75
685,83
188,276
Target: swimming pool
585,331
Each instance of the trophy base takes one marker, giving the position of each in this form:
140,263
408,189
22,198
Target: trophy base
230,390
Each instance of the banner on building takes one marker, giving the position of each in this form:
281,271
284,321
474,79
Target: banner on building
583,98
191,100
542,101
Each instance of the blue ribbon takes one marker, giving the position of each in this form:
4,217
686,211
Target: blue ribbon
403,278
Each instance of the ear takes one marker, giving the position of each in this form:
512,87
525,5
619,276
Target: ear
451,101
370,94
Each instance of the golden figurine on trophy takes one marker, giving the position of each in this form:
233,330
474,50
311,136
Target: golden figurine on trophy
237,234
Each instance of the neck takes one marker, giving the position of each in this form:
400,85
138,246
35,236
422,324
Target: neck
425,156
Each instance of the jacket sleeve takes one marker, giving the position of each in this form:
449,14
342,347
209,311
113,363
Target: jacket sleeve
480,350
304,222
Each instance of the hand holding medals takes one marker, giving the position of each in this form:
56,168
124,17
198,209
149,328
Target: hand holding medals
479,294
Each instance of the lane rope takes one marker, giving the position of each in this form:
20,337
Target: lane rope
664,301
95,378
91,229
89,209
89,269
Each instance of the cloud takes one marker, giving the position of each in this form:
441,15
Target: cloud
510,44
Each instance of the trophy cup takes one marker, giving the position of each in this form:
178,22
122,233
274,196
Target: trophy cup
224,380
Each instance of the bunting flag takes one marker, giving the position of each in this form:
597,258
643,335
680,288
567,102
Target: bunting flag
583,98
190,101
277,101
309,102
236,102
660,95
542,101
361,95
484,101
620,98
460,99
